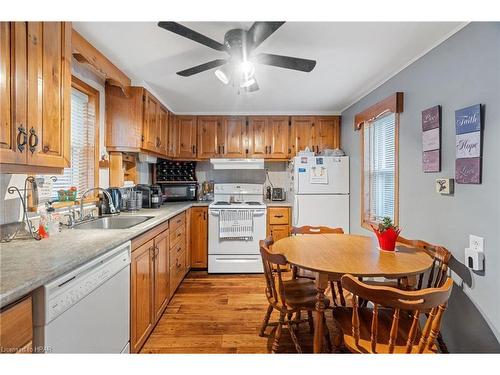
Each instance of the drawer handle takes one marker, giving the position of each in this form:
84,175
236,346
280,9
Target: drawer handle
278,215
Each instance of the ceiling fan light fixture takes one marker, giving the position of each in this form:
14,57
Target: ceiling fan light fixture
223,77
247,68
247,83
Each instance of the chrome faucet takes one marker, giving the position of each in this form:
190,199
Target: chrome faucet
112,209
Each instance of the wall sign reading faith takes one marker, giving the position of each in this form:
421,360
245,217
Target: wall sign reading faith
468,148
431,139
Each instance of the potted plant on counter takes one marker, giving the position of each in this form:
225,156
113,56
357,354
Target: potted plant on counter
387,234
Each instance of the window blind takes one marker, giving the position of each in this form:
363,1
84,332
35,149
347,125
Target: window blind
81,172
379,168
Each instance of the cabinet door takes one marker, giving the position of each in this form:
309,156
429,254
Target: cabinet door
327,132
279,231
150,131
208,146
13,92
173,136
303,133
257,131
141,297
163,130
49,93
187,136
233,136
161,273
199,237
277,137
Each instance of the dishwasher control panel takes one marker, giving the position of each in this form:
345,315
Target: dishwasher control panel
68,290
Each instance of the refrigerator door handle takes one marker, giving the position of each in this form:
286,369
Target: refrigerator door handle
295,210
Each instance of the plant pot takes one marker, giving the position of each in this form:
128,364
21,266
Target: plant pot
387,238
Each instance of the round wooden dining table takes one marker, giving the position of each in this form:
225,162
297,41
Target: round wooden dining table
332,255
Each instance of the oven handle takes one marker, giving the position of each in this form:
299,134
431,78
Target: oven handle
255,212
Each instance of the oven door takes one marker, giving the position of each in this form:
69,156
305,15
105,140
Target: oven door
178,192
218,246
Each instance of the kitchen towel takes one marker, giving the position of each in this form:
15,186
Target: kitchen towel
236,224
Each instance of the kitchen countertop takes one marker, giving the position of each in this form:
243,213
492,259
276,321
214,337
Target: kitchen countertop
25,265
279,203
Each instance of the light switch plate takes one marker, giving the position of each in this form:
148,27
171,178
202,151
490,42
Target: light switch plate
476,243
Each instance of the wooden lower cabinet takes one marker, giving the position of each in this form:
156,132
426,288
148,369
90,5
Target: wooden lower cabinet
16,327
278,222
161,273
141,296
199,237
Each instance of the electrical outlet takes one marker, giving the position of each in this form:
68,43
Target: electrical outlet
476,243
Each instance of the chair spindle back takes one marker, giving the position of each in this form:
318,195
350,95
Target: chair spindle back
274,267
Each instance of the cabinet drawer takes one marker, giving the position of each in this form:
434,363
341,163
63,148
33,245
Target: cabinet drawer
177,221
177,235
278,215
16,327
279,231
179,247
177,270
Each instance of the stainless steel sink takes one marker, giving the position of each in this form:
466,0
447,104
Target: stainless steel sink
113,222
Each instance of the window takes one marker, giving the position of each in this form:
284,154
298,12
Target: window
379,126
83,172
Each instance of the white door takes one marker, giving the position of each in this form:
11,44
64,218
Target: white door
322,210
335,172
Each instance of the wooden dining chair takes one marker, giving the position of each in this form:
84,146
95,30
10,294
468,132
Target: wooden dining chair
287,297
393,324
338,297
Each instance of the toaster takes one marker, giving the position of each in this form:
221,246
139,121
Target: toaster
278,194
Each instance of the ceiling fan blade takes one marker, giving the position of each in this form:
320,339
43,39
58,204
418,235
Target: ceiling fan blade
253,87
286,62
202,67
186,32
260,31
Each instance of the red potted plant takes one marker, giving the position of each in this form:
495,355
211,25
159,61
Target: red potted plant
387,234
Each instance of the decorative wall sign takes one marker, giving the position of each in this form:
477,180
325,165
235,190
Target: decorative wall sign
444,185
468,145
431,139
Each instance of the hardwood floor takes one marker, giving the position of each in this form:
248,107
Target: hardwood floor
219,314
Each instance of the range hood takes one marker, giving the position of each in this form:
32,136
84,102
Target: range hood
237,163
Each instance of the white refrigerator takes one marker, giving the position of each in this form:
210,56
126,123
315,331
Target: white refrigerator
321,187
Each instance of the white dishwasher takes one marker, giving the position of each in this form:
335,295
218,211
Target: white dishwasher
88,309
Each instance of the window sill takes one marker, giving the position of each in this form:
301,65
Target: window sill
57,205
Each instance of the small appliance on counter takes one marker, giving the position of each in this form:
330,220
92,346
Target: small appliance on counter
177,180
207,191
278,194
151,195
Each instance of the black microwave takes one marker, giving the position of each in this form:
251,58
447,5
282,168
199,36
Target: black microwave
174,192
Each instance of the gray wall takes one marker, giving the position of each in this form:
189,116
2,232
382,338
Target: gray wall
462,71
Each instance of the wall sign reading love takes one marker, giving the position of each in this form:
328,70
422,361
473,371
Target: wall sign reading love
468,150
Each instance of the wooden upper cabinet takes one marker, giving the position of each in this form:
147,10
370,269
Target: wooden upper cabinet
315,132
208,129
277,137
326,132
268,137
257,136
49,103
173,136
35,86
13,65
302,133
187,136
163,130
232,136
199,237
150,130
124,118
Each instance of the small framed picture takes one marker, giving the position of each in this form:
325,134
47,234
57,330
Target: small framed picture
444,186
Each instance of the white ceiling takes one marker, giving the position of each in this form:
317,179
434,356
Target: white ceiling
353,58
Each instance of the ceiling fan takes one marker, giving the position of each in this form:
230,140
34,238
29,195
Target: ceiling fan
240,45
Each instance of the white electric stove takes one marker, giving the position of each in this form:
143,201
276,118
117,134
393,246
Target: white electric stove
240,208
